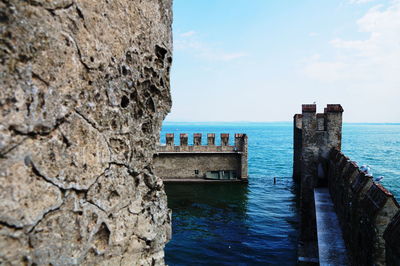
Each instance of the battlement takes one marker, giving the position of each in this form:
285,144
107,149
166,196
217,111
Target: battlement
315,134
194,161
369,215
197,147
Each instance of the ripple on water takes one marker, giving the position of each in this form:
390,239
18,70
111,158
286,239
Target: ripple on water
235,224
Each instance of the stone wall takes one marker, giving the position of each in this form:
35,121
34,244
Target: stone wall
297,144
84,87
314,136
365,210
186,161
369,215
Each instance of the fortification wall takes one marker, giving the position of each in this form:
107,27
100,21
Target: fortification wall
184,161
314,136
84,88
369,214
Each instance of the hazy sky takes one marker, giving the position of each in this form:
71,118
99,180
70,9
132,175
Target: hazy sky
259,60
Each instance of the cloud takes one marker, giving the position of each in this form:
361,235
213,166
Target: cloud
191,43
312,34
373,60
360,1
188,33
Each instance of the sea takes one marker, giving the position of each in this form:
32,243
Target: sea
257,223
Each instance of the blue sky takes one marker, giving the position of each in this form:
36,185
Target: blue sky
259,60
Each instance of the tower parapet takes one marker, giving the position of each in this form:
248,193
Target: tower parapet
197,162
315,134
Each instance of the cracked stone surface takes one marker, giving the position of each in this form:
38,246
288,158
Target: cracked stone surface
84,88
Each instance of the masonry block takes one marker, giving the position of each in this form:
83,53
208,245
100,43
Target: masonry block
184,139
197,139
210,139
224,139
169,139
392,238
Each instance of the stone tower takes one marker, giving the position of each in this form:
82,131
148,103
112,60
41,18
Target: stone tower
314,137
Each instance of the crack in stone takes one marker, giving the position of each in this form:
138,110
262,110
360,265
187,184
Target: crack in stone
4,153
97,179
51,10
35,75
11,225
87,120
33,134
80,14
94,204
44,216
29,162
72,39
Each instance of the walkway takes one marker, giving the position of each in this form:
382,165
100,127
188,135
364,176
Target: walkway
331,247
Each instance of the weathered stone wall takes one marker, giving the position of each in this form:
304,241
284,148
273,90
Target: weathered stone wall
365,209
84,87
194,166
186,161
297,143
314,136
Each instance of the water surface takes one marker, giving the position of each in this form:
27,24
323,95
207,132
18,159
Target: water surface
256,224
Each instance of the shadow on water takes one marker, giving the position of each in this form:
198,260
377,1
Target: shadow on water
237,224
257,224
209,221
223,224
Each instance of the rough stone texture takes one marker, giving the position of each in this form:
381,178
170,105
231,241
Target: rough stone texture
392,238
314,136
84,87
297,142
365,210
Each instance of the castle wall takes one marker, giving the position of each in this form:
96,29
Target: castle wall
314,136
369,215
297,146
365,210
194,166
186,161
84,88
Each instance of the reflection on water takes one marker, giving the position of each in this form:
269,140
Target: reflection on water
256,224
237,224
212,224
209,220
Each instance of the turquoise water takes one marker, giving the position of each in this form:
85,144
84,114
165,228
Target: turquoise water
256,224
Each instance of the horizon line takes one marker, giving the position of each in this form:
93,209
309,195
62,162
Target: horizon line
241,121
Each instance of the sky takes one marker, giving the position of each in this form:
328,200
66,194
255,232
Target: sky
259,60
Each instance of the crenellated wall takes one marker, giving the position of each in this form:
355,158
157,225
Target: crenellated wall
196,162
314,136
365,210
369,215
